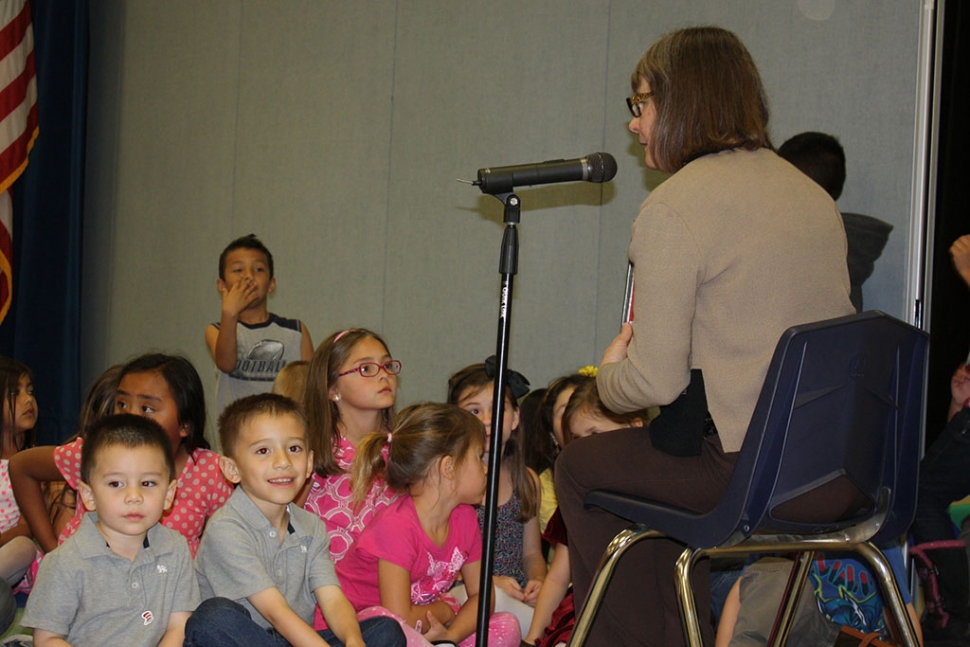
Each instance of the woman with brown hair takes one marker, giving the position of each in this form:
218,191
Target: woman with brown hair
730,251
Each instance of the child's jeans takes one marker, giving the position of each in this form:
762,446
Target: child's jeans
220,622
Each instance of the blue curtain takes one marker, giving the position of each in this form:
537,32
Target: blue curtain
42,328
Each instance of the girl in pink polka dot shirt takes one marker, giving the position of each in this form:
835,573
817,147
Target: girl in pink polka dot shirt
167,389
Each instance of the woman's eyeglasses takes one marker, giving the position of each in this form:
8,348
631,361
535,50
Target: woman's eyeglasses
637,102
372,369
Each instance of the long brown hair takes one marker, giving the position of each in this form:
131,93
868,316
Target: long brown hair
423,434
707,93
321,412
473,379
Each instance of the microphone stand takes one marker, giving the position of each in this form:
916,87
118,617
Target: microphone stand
508,267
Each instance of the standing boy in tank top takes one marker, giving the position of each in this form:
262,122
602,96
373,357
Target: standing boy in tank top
249,343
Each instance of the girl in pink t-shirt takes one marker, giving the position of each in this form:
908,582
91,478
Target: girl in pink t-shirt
411,553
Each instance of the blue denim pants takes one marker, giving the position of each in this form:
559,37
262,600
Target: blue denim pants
220,622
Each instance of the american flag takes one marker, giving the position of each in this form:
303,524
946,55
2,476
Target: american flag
18,123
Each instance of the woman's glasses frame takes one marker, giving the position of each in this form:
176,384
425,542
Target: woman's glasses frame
637,102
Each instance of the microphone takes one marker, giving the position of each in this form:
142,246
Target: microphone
595,167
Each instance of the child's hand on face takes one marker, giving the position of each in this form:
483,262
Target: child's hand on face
238,296
510,586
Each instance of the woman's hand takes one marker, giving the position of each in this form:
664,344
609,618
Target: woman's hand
616,351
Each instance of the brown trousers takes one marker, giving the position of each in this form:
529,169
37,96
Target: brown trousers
640,607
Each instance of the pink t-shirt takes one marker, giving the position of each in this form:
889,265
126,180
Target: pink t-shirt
330,499
396,536
9,512
201,490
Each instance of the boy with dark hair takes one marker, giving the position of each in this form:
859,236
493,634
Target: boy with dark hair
250,344
821,157
122,578
264,563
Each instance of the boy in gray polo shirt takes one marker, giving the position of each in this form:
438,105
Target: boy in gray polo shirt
122,578
264,563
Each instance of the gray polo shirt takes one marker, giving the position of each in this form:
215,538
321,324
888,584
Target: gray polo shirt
93,596
241,554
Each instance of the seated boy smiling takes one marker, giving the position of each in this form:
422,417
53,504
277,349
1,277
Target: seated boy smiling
264,563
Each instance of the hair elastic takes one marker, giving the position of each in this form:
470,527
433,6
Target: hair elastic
388,438
516,382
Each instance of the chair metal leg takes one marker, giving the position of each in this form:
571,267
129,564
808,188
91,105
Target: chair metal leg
623,541
688,607
889,587
793,593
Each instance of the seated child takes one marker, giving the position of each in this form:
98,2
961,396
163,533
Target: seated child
350,392
291,381
18,554
519,564
168,390
407,558
550,425
250,344
583,415
264,563
46,500
840,592
122,578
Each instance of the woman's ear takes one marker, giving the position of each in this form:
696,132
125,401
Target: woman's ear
636,422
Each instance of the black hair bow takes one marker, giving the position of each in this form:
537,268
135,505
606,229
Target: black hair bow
517,383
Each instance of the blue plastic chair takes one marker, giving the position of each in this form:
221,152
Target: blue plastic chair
840,417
